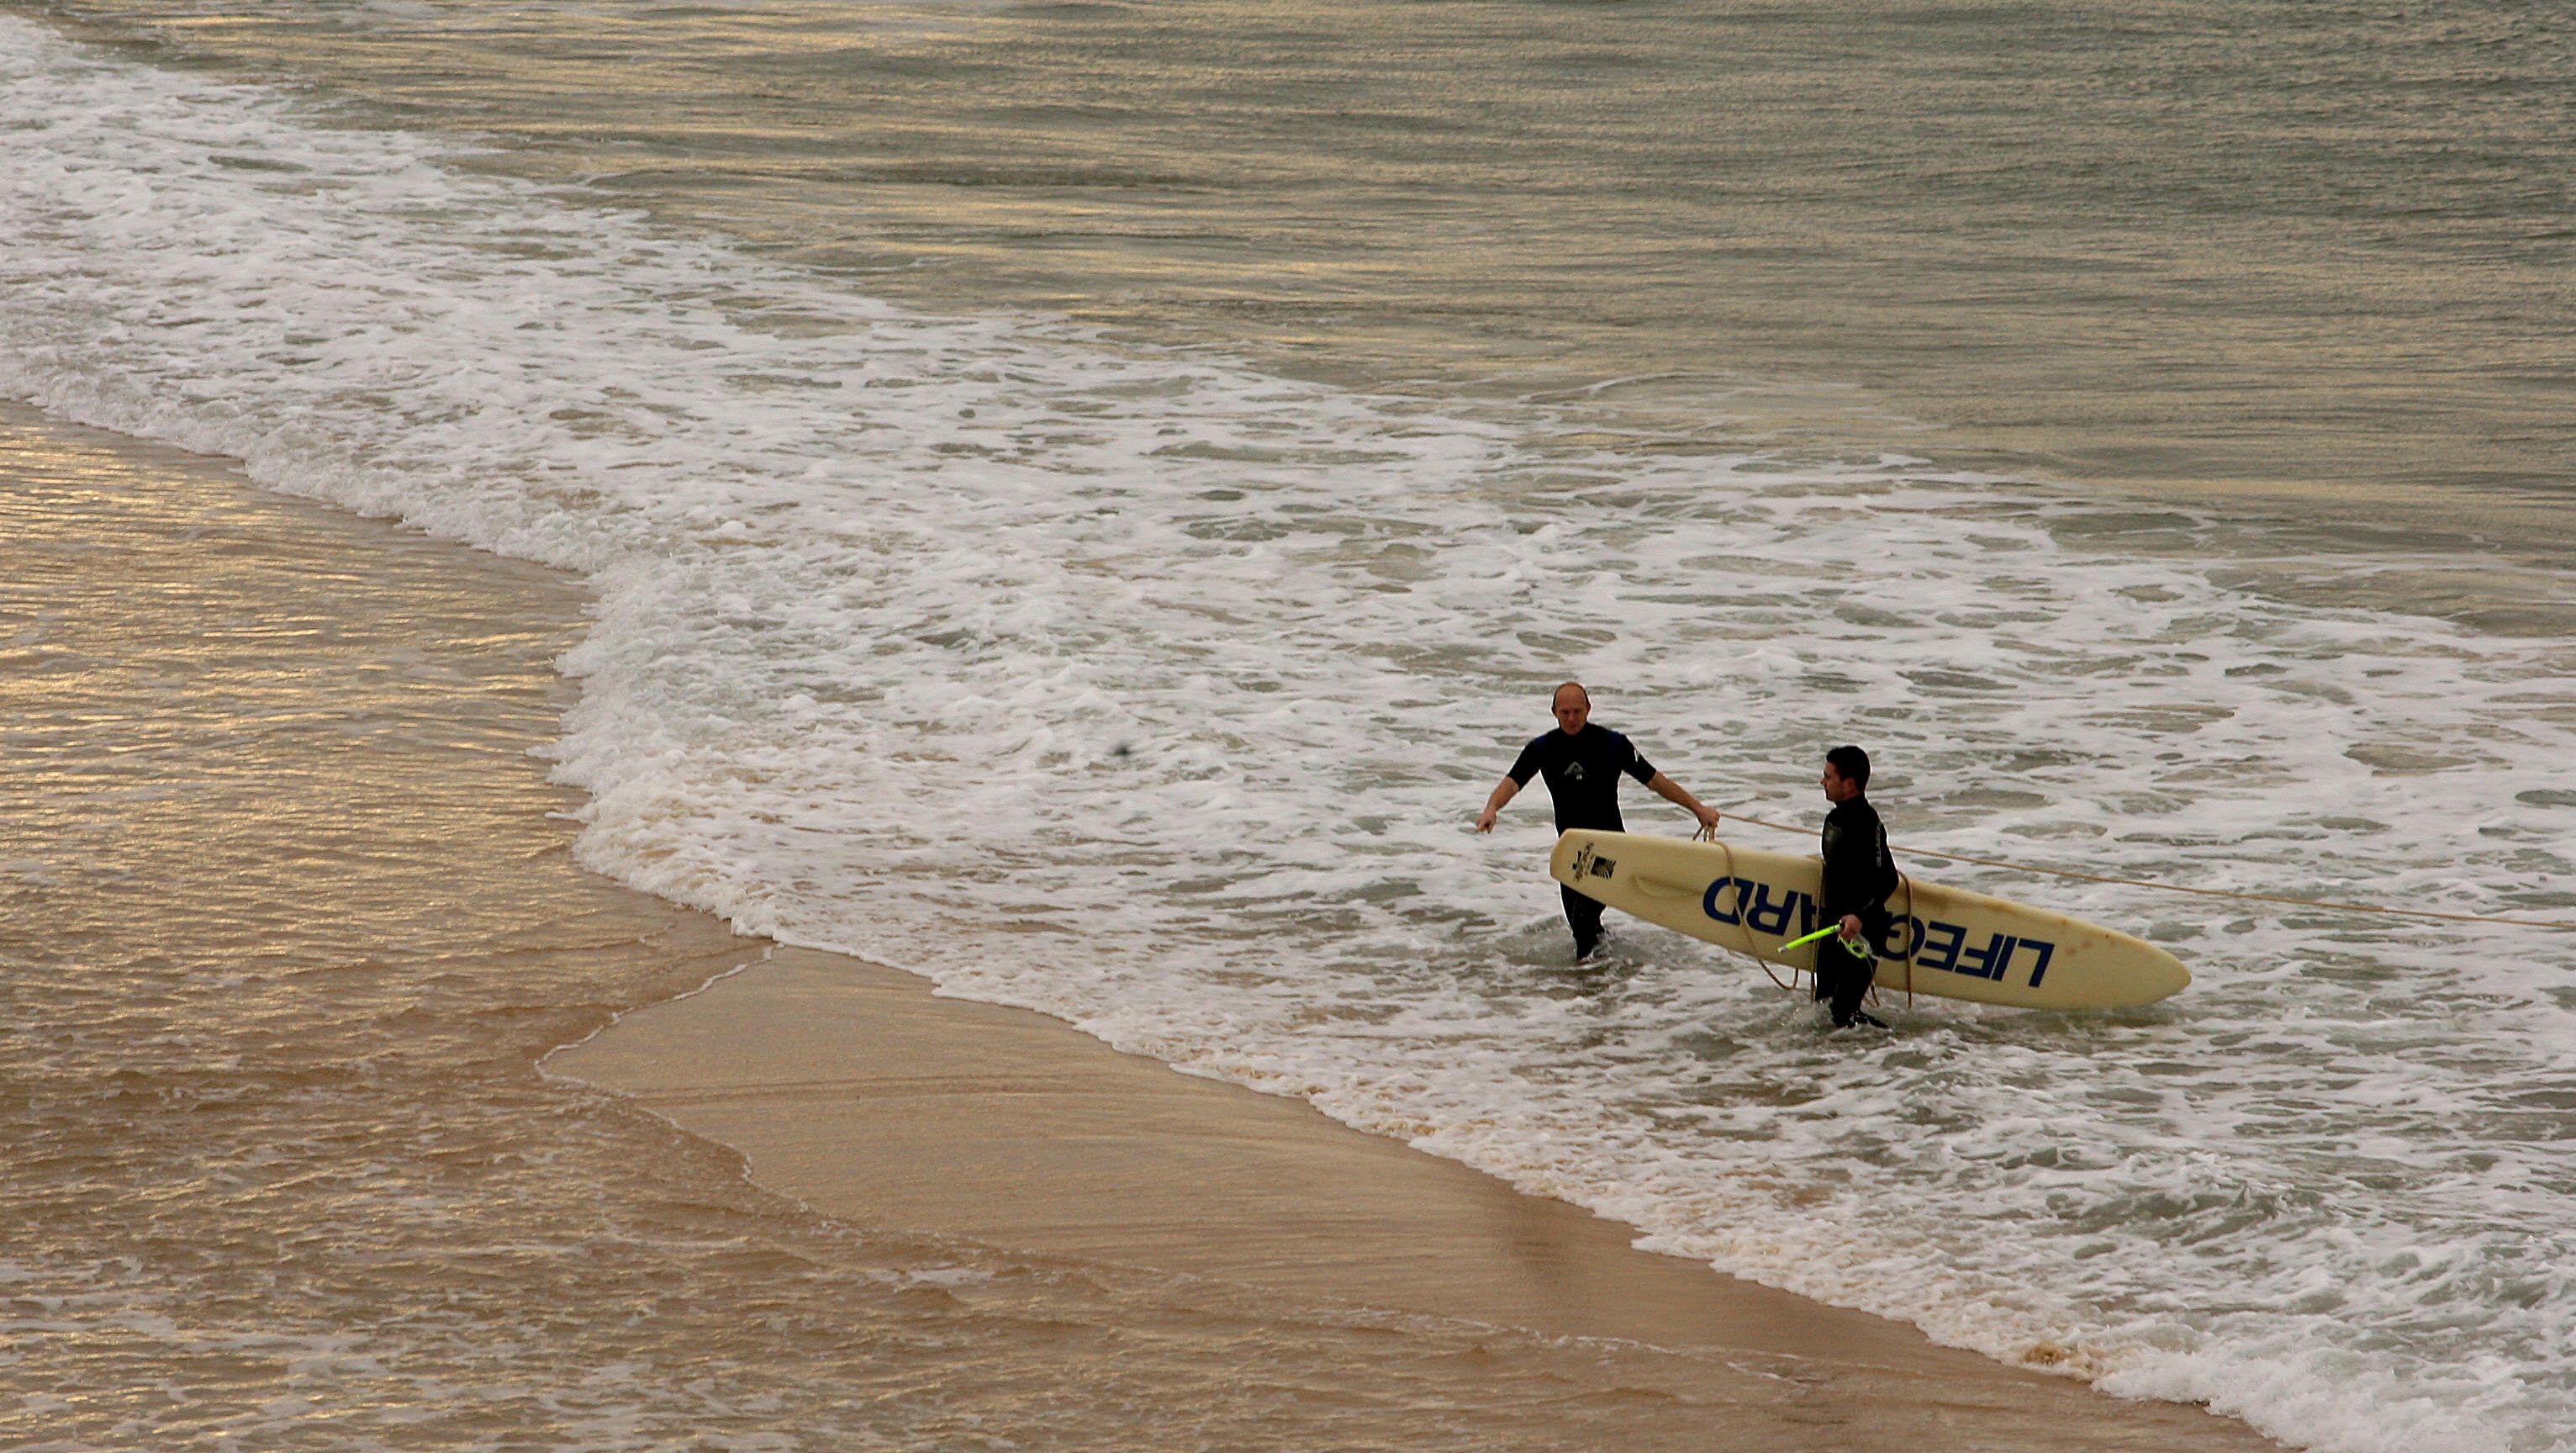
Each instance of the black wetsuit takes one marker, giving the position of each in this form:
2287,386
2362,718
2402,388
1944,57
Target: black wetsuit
1859,875
1582,773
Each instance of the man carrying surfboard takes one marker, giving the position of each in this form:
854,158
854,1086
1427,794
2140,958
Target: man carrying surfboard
1582,762
1859,875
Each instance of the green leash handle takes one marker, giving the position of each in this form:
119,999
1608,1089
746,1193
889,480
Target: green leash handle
1857,950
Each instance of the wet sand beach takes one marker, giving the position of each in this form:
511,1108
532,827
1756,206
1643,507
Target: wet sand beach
274,815
858,1091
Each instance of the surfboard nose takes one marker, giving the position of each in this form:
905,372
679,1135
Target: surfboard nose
2153,977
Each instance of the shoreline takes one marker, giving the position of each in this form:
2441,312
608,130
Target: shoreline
859,1092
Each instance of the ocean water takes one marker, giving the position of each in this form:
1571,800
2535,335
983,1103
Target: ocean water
1083,501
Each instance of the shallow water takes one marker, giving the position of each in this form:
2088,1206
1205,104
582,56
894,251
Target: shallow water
1156,685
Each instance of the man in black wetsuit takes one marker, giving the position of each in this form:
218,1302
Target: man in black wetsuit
1582,763
1859,875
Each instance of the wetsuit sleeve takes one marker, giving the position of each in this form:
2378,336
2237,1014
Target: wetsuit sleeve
1526,766
1636,764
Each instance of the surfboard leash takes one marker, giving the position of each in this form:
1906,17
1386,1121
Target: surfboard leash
2327,905
1851,946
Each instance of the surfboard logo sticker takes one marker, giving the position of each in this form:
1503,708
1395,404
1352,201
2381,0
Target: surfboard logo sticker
1588,864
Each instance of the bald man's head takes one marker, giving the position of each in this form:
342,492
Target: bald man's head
1573,707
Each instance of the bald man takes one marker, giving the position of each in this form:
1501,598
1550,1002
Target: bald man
1582,763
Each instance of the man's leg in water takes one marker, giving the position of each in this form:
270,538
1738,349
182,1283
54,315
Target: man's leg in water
1583,915
1855,987
1843,981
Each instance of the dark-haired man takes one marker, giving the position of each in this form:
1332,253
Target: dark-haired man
1582,763
1859,875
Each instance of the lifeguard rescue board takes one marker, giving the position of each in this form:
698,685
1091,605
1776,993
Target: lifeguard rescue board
1944,941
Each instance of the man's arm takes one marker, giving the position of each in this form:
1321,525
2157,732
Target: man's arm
1671,791
1504,791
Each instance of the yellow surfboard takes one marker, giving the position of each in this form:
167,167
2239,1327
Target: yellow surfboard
1945,941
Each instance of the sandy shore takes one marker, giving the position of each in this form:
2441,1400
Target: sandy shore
857,1090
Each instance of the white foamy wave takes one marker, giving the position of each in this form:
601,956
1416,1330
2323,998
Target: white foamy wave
1157,693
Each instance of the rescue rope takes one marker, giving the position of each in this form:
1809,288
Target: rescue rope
1913,949
1709,835
1948,857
